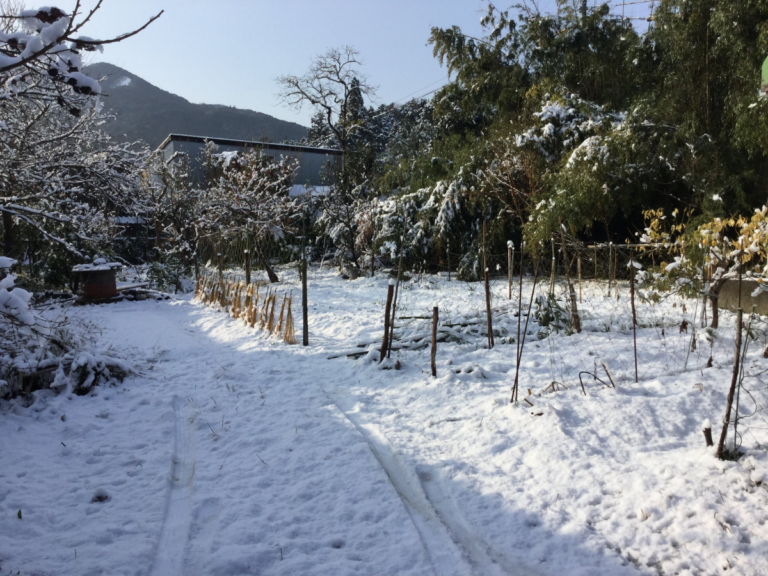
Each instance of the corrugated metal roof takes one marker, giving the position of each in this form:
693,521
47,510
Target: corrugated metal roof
248,144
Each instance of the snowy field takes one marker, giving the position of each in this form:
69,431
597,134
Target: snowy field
232,453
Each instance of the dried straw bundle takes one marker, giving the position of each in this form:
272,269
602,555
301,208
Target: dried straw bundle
290,334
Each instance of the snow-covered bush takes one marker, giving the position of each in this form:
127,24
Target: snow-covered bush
39,348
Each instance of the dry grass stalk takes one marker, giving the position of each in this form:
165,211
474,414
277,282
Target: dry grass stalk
223,297
240,290
254,309
247,303
279,326
264,314
290,334
271,321
236,302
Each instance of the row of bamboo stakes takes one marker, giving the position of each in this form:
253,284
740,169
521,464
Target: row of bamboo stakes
243,302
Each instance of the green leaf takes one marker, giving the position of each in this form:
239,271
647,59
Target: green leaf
18,514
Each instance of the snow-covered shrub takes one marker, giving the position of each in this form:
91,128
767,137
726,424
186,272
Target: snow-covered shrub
39,348
89,370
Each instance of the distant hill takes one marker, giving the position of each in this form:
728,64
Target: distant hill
145,112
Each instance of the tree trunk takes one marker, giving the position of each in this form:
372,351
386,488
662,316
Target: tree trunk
158,233
270,272
714,297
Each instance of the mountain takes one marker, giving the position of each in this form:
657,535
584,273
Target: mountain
145,112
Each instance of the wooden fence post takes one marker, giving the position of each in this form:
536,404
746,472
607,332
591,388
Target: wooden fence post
247,266
304,310
434,341
385,343
615,273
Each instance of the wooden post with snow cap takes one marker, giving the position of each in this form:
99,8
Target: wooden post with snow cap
510,264
433,356
221,266
385,341
247,266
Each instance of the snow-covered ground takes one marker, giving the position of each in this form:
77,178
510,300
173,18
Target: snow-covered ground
232,453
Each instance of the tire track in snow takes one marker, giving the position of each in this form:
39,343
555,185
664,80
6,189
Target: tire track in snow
205,516
169,559
452,548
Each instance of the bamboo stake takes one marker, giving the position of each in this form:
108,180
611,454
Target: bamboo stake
578,266
522,343
510,264
595,262
552,275
704,289
632,298
489,316
520,298
385,343
433,356
304,307
576,319
734,378
610,263
615,273
397,287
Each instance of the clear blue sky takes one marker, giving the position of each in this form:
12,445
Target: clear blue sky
230,51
